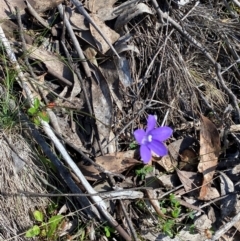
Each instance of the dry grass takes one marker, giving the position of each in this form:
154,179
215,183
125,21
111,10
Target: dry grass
15,214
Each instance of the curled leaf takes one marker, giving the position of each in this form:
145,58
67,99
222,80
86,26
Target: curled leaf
209,153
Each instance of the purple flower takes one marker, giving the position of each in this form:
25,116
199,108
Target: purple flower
151,139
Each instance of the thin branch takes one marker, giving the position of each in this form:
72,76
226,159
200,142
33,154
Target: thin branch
225,228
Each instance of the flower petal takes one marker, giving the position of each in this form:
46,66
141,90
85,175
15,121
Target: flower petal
158,148
161,133
139,135
151,123
145,154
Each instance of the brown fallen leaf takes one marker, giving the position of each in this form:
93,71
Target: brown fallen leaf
189,160
190,180
102,106
90,172
50,60
95,6
119,162
168,163
209,153
110,34
7,7
116,163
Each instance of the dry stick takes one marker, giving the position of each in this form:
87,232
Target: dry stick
108,194
236,2
225,228
85,94
81,9
20,76
58,76
202,49
129,221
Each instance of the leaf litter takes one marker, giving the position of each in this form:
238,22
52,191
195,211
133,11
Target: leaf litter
130,60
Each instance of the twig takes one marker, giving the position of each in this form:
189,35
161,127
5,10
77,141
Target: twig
85,94
225,228
236,2
21,78
116,194
129,221
86,68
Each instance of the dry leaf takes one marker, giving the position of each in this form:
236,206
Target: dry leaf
168,163
7,10
50,60
76,19
102,106
190,180
94,6
116,163
110,34
90,54
226,184
109,71
124,71
128,12
90,172
209,153
119,162
177,147
189,160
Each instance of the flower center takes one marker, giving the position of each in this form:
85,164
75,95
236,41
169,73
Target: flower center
147,139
